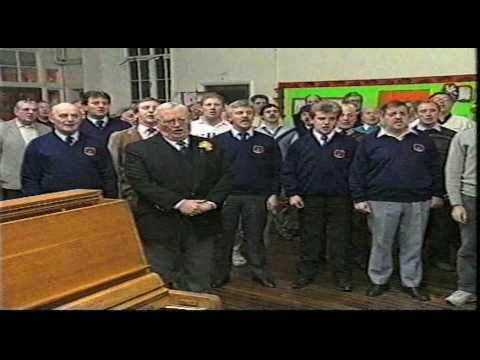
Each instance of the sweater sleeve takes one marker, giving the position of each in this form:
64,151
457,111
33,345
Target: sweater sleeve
358,173
31,171
454,170
277,166
289,173
435,165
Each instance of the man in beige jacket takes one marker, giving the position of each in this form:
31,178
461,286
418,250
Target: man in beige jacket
146,128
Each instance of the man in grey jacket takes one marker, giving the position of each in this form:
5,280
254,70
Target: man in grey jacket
14,138
461,183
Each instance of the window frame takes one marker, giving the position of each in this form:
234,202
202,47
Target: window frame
153,79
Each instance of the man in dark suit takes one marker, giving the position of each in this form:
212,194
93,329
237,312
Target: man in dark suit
181,182
97,123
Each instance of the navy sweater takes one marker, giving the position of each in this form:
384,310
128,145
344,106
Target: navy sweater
312,169
256,163
50,165
386,169
113,125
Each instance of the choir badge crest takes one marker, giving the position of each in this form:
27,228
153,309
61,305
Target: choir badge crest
418,148
205,145
258,149
89,151
339,153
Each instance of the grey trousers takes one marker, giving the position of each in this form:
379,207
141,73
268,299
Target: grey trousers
467,254
407,222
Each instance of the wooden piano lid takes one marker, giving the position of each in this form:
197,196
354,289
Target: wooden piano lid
47,203
62,246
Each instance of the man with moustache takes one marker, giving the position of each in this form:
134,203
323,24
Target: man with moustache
315,177
181,182
15,135
284,219
395,178
255,159
67,159
146,120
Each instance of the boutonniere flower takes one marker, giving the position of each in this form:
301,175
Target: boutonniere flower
205,145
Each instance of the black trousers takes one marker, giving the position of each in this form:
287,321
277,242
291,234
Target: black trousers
252,212
184,260
442,234
320,213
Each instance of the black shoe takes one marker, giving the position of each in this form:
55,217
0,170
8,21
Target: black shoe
343,285
415,293
220,283
265,281
377,290
301,282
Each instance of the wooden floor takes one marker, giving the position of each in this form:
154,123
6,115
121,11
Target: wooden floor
241,293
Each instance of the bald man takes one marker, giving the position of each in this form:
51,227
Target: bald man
67,159
181,182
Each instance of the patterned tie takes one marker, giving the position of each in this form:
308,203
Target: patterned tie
244,136
324,139
150,132
100,124
183,146
69,140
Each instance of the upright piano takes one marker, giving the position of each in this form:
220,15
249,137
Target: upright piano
75,250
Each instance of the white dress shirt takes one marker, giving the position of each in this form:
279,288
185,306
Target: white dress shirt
319,136
29,132
94,121
63,137
144,131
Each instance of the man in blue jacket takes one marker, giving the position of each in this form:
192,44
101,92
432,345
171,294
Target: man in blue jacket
395,178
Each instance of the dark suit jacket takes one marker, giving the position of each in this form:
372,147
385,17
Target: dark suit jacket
162,177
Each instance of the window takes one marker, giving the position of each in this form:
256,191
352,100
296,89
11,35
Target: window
18,66
52,75
149,73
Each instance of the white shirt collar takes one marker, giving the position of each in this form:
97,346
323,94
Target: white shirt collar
237,134
174,143
437,127
63,137
382,132
319,136
94,121
20,125
268,130
143,131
